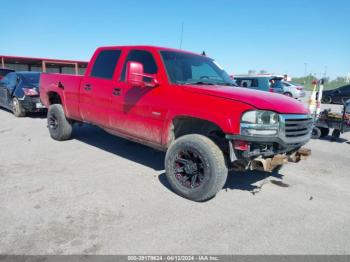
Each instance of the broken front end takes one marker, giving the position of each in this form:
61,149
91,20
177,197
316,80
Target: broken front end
267,140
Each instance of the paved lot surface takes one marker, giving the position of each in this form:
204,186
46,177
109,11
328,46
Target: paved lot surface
98,194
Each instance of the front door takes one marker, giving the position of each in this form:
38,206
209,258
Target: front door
139,111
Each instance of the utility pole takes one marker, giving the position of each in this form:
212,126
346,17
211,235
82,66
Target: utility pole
305,73
182,33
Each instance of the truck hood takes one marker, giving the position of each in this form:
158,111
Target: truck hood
258,99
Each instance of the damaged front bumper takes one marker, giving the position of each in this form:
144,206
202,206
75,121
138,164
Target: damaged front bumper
265,153
269,164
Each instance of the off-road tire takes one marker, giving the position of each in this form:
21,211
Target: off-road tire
213,162
316,133
17,108
60,127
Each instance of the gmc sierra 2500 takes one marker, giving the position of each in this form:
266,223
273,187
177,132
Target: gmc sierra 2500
182,103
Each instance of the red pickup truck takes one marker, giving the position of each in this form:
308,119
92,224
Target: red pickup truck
182,103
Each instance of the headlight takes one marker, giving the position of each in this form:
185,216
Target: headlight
258,122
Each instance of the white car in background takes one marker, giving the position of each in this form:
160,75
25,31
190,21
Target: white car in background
293,90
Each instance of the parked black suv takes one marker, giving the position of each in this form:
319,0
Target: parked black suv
336,96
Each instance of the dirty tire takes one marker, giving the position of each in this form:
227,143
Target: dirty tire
59,126
324,131
326,100
288,94
17,108
208,158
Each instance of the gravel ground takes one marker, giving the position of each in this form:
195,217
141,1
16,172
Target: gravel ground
99,194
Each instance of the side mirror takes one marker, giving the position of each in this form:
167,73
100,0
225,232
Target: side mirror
135,76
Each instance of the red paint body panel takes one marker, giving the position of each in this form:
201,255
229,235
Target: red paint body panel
258,99
146,113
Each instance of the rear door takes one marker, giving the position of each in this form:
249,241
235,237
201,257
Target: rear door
97,86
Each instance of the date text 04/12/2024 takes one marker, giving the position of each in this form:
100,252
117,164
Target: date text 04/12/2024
173,258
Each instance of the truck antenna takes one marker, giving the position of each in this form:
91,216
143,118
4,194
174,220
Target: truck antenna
182,33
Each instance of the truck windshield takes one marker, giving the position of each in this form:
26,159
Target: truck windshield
183,68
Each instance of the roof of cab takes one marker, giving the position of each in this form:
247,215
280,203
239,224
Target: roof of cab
150,47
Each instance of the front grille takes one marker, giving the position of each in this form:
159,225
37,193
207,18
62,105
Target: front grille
298,127
295,129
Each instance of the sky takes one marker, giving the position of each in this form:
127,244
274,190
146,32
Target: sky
279,36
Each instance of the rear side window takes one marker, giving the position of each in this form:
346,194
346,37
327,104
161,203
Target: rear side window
105,64
143,57
248,82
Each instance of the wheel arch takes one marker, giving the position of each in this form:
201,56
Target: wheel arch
54,97
184,124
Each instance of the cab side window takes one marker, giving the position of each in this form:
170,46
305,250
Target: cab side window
143,57
105,64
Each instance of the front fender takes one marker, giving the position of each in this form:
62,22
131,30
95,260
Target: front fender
227,118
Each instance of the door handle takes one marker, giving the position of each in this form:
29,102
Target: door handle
116,91
87,87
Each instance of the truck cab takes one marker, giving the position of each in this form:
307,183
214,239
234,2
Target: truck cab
183,103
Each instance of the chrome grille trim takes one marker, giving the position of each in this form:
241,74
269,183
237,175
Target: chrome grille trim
295,128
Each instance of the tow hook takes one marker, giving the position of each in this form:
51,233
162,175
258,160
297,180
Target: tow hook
269,164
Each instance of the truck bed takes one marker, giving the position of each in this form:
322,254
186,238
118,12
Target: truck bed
67,86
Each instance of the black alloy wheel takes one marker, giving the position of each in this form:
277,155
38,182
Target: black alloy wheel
189,168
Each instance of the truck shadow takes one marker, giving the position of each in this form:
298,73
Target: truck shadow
95,136
40,115
245,181
332,139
